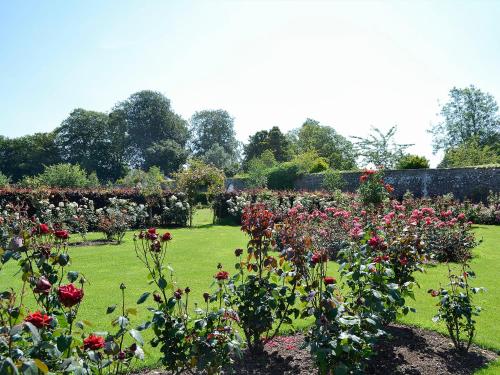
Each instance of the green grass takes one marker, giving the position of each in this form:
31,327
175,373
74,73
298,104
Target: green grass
195,252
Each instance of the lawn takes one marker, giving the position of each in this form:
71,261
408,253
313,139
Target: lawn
195,252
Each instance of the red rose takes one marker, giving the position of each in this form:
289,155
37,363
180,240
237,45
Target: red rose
43,229
403,261
329,280
374,241
152,230
166,236
222,275
69,295
38,319
42,286
93,342
61,234
435,293
363,178
377,259
178,294
318,257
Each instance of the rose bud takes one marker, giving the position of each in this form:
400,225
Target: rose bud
166,237
178,294
121,356
206,296
238,252
157,297
187,290
42,286
141,235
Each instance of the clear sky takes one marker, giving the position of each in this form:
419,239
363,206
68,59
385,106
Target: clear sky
349,64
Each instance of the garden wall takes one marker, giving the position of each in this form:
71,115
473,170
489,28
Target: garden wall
471,183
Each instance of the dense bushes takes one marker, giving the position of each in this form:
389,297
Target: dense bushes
76,208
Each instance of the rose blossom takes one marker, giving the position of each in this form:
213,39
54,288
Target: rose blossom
222,275
38,319
93,342
69,295
61,234
42,286
328,280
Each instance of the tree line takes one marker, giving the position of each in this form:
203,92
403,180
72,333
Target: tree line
144,131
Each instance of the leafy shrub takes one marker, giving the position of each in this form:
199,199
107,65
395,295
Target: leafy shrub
456,308
185,343
118,217
412,162
319,165
333,180
283,176
4,180
199,178
62,175
372,189
260,295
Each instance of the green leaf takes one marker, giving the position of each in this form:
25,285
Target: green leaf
143,297
110,309
41,366
137,336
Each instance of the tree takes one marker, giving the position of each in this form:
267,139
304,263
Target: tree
409,161
336,149
27,155
148,119
469,113
274,140
167,154
211,127
380,149
469,154
90,139
218,157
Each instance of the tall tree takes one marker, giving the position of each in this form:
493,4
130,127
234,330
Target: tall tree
380,149
90,139
274,140
211,127
27,155
149,121
336,149
469,114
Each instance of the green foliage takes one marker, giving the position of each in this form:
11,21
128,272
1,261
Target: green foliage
283,176
218,157
214,127
333,180
326,142
469,114
4,180
380,149
27,155
319,165
409,161
273,140
372,189
150,122
63,175
470,153
456,308
199,178
90,139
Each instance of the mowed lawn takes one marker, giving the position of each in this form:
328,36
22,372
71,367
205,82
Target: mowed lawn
195,252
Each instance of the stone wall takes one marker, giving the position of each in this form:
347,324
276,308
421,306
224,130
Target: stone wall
471,183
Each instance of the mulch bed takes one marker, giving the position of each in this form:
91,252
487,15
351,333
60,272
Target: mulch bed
99,242
408,350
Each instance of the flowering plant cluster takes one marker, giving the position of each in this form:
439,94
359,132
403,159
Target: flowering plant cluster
372,189
456,308
205,341
50,337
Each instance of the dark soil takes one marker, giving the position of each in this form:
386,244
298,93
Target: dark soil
99,242
408,350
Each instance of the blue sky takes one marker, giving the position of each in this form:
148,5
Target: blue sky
349,64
